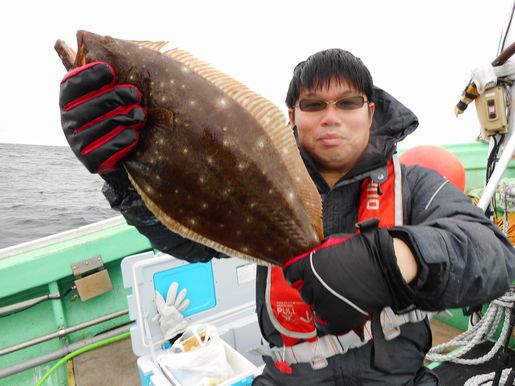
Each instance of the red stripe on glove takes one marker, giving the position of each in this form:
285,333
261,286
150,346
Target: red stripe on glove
298,284
319,321
78,70
113,133
120,110
326,244
109,165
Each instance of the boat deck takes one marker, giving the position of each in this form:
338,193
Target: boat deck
115,364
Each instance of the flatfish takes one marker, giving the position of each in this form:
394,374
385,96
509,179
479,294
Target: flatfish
216,163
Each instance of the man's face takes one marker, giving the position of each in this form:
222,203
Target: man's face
334,137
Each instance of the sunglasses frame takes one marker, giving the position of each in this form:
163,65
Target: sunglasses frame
329,103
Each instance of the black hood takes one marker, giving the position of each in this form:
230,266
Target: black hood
392,123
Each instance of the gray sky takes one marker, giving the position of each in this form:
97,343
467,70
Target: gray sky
420,52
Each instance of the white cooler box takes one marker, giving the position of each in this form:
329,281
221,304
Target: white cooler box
221,293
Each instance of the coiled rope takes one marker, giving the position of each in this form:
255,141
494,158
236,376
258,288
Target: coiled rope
484,330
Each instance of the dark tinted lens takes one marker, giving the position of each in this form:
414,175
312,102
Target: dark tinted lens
312,105
350,103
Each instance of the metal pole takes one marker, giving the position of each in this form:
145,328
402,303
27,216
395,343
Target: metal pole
61,352
62,332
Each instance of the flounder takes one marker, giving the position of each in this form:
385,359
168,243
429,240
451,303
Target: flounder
216,163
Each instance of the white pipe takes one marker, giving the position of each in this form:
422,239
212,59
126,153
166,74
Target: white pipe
497,174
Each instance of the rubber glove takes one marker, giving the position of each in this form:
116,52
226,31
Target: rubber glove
169,312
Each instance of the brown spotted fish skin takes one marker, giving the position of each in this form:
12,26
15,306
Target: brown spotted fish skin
216,163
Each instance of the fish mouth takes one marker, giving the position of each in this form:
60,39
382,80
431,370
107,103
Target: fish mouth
80,59
69,57
86,39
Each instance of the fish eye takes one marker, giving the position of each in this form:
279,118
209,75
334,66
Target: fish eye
107,39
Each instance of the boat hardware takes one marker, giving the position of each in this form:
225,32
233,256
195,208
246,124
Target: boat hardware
491,107
91,278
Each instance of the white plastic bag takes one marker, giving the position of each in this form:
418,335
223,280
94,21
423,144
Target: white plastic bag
197,357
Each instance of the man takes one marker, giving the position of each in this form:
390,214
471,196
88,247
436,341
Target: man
358,296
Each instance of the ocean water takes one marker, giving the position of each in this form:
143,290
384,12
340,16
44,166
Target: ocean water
46,190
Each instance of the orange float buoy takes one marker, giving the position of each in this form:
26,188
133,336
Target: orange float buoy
438,159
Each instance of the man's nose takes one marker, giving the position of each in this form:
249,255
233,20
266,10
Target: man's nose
330,115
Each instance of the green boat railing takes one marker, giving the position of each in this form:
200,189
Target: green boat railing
44,267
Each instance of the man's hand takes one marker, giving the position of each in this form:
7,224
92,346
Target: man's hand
349,276
101,120
169,312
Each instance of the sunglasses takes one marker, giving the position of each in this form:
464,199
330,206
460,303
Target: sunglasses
348,103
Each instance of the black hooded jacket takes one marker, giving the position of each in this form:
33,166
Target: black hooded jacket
463,259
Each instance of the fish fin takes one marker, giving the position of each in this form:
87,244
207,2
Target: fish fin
271,118
156,46
190,234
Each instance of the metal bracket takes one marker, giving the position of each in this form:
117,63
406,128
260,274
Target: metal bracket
92,264
91,278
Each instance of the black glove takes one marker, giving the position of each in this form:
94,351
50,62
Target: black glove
101,120
347,277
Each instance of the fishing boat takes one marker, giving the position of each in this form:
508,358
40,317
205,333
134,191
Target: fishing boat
73,305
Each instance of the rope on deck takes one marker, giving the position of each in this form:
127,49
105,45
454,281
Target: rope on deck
498,311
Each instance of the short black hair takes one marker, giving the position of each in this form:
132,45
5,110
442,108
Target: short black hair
325,66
